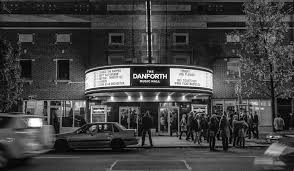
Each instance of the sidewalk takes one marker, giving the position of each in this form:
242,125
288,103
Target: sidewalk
174,142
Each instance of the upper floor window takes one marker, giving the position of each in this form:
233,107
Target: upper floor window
26,38
115,59
62,69
233,38
153,39
116,38
26,68
182,59
180,38
63,38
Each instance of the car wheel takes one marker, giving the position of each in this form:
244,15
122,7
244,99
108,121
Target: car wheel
117,144
61,146
3,159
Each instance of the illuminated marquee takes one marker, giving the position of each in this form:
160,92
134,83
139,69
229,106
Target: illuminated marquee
140,76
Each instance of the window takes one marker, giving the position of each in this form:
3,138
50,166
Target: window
116,38
63,38
26,68
232,38
181,38
23,38
181,59
115,60
105,127
62,69
144,39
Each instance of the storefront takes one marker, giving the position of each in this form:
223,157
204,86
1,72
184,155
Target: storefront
123,93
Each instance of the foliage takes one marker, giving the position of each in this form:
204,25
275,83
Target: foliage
265,54
10,71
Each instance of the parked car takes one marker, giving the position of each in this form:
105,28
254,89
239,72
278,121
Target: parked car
278,156
22,137
97,135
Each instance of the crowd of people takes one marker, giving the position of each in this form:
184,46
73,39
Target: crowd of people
231,128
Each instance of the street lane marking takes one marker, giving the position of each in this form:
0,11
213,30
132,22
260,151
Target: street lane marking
187,165
113,164
150,165
58,157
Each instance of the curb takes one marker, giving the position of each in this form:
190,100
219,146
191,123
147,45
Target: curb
197,147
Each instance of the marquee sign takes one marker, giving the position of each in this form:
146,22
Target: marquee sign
149,76
144,76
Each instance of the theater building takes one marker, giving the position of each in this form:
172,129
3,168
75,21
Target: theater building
86,60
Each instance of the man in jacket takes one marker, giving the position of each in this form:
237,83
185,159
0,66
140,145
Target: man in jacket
279,123
190,126
255,125
146,124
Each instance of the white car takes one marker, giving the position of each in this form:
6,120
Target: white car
97,135
22,137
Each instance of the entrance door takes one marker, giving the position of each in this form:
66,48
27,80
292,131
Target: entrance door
128,116
168,120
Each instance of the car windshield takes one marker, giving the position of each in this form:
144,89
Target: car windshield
121,127
4,121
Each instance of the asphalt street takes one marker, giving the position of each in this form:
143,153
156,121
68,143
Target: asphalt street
158,159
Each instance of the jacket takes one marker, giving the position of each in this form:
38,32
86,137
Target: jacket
146,122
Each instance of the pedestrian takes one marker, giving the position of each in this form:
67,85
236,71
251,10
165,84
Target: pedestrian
204,127
279,123
213,128
174,125
236,126
250,130
183,126
231,128
255,125
190,126
291,124
147,124
197,128
242,132
224,127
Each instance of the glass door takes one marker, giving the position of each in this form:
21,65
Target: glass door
128,116
168,120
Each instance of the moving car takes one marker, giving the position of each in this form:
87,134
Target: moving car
97,135
275,136
278,156
22,137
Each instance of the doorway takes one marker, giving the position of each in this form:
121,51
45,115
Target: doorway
128,116
168,120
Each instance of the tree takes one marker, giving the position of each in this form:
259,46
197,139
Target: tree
265,53
10,71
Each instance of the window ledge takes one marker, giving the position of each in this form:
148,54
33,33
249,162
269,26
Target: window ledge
62,81
27,81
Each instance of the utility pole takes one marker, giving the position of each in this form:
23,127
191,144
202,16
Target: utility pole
148,25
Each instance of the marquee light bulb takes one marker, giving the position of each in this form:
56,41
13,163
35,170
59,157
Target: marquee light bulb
111,98
156,97
168,97
129,97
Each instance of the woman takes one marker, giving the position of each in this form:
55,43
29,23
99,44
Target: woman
183,125
224,127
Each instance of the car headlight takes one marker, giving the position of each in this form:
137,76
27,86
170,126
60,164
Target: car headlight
35,122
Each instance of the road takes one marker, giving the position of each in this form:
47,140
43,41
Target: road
158,159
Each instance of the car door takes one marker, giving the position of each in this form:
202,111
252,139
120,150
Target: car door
104,135
85,138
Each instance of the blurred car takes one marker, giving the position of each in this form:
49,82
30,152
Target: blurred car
278,156
22,137
97,135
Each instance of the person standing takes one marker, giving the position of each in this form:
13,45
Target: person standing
236,126
213,128
255,125
204,127
147,124
242,132
224,127
279,123
196,128
183,126
250,130
190,126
